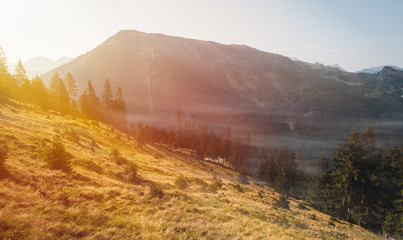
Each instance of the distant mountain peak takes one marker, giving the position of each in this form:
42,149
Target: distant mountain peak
39,65
373,70
337,66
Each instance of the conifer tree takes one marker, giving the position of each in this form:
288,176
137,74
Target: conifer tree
71,85
354,179
23,85
107,96
5,77
119,109
90,104
59,95
40,94
20,74
120,101
225,143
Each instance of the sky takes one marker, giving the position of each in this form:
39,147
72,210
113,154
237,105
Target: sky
354,34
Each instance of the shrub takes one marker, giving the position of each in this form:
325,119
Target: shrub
115,156
3,154
216,184
238,187
155,191
302,206
283,202
312,217
130,175
199,182
56,156
72,135
260,194
181,182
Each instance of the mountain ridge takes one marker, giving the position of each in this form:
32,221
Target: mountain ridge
237,85
373,70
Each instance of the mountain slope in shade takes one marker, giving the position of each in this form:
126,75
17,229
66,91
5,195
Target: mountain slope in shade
236,84
154,69
377,69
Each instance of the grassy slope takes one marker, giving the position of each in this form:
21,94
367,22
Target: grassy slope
91,202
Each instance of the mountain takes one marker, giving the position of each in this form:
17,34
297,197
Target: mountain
281,102
377,69
39,65
337,66
135,194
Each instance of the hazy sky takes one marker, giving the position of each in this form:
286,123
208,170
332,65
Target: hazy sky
354,34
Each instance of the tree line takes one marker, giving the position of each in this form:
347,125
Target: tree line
62,95
235,148
361,183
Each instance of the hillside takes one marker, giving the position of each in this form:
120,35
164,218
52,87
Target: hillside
281,102
101,198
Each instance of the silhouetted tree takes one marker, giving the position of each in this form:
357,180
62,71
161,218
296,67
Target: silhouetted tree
59,95
107,96
23,85
71,85
5,77
119,109
39,93
90,104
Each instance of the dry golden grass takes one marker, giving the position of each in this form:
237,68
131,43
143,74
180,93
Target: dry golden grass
93,202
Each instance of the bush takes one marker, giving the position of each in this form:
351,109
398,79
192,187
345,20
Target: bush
155,191
115,156
3,153
130,173
56,156
302,206
283,202
3,156
260,194
216,184
72,135
238,187
312,217
181,182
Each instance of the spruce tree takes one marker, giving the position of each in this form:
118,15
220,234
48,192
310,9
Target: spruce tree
90,104
40,94
23,85
59,95
71,85
119,108
5,77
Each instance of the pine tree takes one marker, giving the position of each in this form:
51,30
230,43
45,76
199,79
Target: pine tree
107,96
90,104
225,143
64,98
40,94
120,101
22,81
355,180
20,74
59,95
5,77
119,109
71,85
